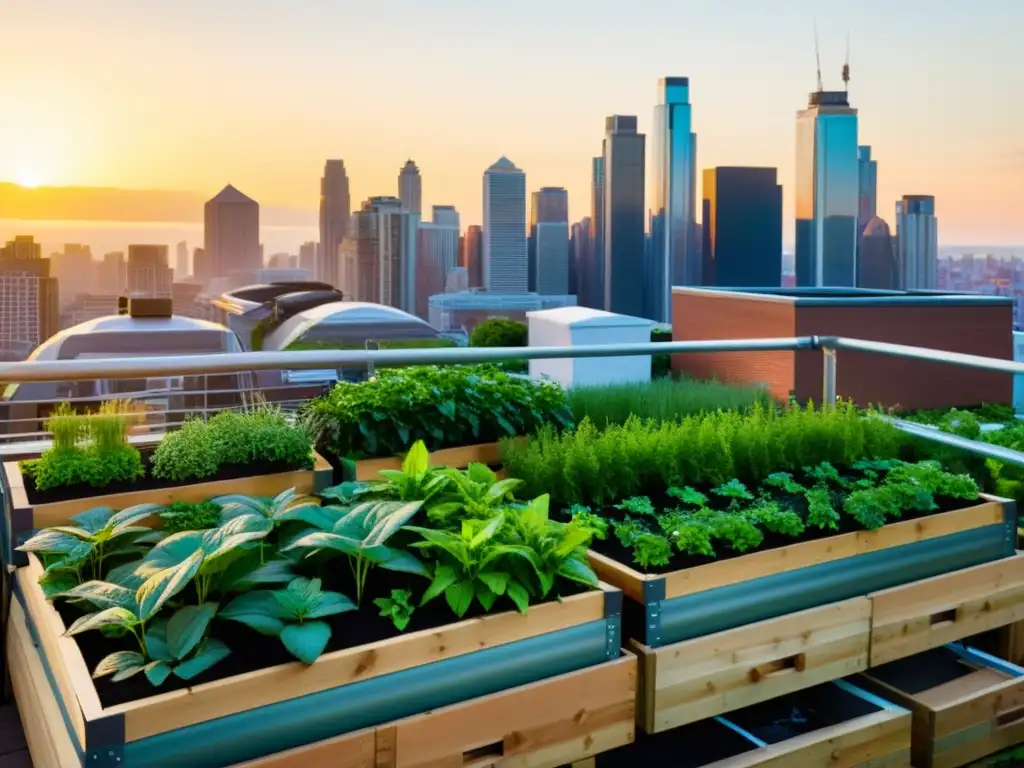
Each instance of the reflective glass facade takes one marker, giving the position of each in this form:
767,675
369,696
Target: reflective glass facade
624,171
827,191
674,257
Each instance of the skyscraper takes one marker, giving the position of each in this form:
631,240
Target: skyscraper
504,230
867,185
582,249
593,293
75,270
437,254
113,274
624,277
181,262
335,212
876,257
410,188
307,257
385,267
742,215
29,311
827,185
472,255
231,235
674,257
549,241
149,273
917,239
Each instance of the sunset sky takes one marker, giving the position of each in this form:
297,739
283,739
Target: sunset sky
193,94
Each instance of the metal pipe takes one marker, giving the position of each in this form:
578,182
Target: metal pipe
136,367
922,353
978,447
828,377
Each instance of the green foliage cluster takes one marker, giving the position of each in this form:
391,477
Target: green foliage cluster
199,449
300,345
88,449
984,413
499,332
661,365
598,467
442,406
262,562
660,399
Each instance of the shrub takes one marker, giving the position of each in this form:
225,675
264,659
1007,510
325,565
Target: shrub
499,332
443,406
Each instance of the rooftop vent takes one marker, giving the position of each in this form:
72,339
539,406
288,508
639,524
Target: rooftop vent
147,307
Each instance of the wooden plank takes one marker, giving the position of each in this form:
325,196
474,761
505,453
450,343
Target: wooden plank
1001,704
876,740
647,675
459,457
808,553
351,750
166,712
548,723
617,574
707,676
49,742
932,612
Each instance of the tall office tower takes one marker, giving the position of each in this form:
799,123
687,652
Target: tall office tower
149,274
917,239
29,307
410,188
867,188
200,265
231,235
437,254
307,257
386,251
592,293
348,266
112,274
549,241
624,278
742,215
582,249
674,257
335,212
75,270
876,257
504,232
181,262
827,183
472,256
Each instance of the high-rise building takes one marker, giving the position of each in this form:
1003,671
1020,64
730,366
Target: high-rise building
29,307
149,274
624,161
471,256
200,266
181,261
410,188
917,239
742,228
827,186
549,241
231,235
581,249
75,270
674,257
867,188
386,249
437,254
112,274
592,288
307,257
876,257
504,231
348,266
335,213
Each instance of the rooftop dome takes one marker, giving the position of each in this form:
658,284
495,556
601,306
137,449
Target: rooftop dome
349,323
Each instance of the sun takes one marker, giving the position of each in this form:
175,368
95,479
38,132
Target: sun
28,178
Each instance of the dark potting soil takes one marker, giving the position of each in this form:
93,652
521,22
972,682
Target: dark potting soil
251,650
923,671
148,482
691,746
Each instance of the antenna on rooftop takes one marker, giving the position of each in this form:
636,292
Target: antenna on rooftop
817,56
846,66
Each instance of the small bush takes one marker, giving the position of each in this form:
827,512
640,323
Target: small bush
499,332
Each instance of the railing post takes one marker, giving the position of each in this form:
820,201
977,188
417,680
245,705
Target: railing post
828,377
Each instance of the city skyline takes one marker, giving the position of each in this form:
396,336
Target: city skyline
113,140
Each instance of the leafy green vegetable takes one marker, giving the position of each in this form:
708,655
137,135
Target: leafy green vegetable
820,512
651,549
689,496
638,505
398,607
597,525
184,516
734,489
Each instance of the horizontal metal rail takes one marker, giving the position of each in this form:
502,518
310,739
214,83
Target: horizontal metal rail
922,353
976,447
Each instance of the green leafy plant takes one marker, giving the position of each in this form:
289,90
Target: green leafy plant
499,332
651,549
820,512
734,490
638,505
628,529
398,608
773,517
475,493
185,516
596,524
416,481
689,496
686,534
784,481
292,615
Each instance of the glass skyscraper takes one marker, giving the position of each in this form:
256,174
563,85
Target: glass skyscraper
674,259
624,167
827,191
917,242
592,291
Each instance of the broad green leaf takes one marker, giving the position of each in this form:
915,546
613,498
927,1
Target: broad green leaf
329,604
310,513
95,519
228,549
255,503
70,530
151,536
306,641
518,551
444,577
417,460
165,584
460,596
485,595
539,506
118,661
126,535
175,549
245,524
55,582
156,641
496,581
283,499
74,557
346,492
157,672
500,489
127,672
577,570
572,539
127,575
134,514
396,560
187,626
442,511
449,542
49,540
247,572
396,476
488,531
519,595
212,652
257,610
482,474
322,540
114,616
389,525
103,594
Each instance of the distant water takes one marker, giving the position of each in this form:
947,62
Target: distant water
104,236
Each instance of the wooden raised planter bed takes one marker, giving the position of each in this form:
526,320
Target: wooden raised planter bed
699,601
966,704
851,727
458,458
21,517
272,710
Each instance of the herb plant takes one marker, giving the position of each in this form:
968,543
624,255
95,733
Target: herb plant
398,607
